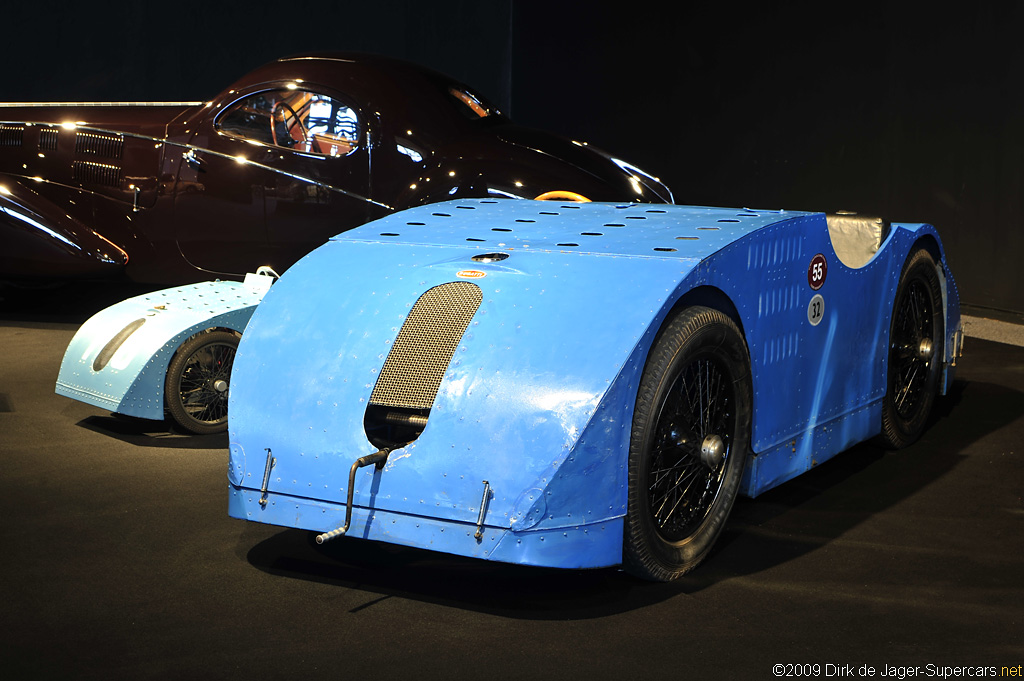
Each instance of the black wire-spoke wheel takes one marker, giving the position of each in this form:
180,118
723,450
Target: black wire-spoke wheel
198,380
692,441
915,352
688,447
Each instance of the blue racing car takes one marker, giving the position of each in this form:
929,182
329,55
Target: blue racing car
166,353
580,385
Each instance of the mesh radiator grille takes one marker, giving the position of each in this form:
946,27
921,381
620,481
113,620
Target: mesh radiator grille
416,364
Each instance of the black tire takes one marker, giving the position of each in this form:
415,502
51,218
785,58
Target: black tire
198,378
916,349
694,395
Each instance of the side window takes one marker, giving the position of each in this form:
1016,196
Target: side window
294,119
472,106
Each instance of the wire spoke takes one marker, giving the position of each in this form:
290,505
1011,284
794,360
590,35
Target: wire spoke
915,325
681,486
203,398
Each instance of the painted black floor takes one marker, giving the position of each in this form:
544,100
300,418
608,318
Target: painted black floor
119,561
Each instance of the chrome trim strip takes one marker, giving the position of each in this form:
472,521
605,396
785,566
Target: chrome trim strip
22,105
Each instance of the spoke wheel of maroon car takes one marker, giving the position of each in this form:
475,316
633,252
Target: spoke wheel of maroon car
688,446
198,378
915,352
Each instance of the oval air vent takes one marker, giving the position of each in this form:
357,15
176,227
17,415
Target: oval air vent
490,257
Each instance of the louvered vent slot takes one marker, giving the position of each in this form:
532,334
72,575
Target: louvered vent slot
97,144
11,135
412,373
96,173
48,139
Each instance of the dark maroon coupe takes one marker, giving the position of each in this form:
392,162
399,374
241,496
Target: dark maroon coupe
293,153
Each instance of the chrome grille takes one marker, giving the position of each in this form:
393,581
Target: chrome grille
96,173
97,144
11,135
426,342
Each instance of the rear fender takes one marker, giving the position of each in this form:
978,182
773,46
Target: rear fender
39,240
118,359
953,345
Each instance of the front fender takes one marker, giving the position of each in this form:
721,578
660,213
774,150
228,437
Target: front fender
118,359
38,240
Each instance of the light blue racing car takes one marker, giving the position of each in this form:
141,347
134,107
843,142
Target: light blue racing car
167,353
579,385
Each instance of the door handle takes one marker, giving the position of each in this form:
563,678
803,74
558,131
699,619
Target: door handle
193,161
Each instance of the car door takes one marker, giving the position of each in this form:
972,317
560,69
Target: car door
271,177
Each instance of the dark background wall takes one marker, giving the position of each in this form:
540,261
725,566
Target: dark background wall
879,108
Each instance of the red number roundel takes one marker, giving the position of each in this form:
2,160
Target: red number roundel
817,272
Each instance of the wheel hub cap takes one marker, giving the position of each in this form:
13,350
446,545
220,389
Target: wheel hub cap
220,385
712,451
924,349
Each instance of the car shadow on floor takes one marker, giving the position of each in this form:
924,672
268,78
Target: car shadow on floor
150,433
781,525
824,503
501,589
